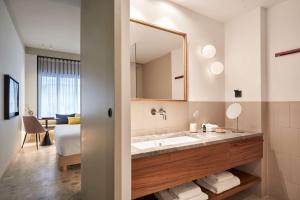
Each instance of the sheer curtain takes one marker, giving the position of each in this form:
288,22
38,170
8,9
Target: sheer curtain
58,86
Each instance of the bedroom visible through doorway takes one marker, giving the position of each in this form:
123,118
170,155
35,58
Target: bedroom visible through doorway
48,160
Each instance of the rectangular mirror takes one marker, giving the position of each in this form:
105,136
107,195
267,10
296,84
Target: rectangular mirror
158,61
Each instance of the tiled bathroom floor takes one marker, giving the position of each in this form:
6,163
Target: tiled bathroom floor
34,175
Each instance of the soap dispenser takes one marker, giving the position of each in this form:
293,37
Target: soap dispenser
204,128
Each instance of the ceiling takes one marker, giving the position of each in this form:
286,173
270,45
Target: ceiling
224,10
48,24
151,43
55,24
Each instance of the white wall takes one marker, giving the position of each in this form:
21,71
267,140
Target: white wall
139,80
157,78
133,82
12,63
177,70
245,70
202,86
283,34
283,80
243,56
201,30
31,82
51,53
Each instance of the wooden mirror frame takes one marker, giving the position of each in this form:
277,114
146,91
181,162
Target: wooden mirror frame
185,60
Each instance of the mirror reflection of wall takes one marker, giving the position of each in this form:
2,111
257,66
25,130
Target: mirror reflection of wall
157,63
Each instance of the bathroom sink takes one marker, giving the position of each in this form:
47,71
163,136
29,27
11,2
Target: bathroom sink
164,142
206,136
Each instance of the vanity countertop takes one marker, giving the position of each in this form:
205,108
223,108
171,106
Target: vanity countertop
198,140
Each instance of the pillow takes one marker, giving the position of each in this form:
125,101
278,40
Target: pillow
74,120
63,119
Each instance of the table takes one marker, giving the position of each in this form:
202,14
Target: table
47,141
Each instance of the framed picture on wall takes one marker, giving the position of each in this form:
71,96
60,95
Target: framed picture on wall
11,97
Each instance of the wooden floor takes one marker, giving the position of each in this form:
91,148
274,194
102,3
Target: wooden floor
34,175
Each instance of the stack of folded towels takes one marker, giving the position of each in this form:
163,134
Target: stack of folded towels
188,191
220,182
210,127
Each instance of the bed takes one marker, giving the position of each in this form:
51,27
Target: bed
67,142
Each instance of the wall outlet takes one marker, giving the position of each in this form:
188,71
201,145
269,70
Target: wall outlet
237,93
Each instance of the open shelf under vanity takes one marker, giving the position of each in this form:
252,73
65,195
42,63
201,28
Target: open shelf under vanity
160,171
247,181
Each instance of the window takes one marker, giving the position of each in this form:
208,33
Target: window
58,86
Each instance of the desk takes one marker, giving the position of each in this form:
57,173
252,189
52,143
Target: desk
46,141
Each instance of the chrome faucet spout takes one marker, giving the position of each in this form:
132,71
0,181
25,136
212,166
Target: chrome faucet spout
161,112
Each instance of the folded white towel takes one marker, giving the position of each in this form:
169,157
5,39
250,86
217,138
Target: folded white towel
203,196
210,127
165,195
187,191
222,176
220,187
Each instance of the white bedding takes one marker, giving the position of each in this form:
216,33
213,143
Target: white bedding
67,139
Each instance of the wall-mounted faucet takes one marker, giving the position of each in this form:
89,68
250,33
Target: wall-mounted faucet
161,111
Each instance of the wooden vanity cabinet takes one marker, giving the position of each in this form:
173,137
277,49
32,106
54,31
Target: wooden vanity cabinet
245,151
155,173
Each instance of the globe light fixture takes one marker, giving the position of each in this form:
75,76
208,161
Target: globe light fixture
216,68
209,51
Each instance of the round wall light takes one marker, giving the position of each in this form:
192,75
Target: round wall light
209,51
216,68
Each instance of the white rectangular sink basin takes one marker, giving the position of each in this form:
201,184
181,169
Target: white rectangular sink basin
163,142
206,136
